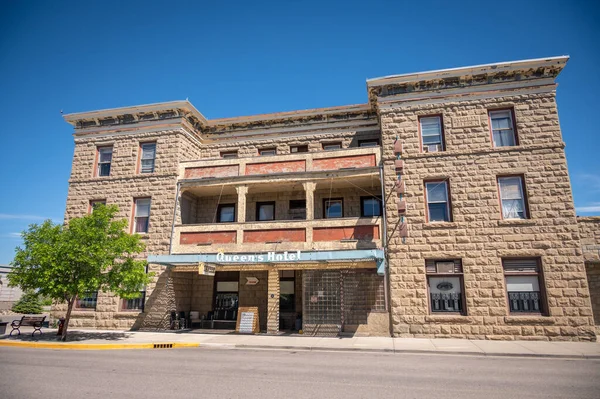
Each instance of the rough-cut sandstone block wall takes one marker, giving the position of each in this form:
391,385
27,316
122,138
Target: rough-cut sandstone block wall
589,230
120,188
477,234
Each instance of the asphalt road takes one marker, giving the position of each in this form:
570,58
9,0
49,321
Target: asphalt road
230,373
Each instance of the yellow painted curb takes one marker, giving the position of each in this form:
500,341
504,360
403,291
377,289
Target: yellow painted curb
58,345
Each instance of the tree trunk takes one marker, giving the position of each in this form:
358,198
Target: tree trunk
70,302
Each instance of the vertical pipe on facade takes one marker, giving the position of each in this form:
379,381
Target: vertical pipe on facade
174,218
384,237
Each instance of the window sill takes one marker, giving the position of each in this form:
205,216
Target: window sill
440,225
84,312
448,318
535,318
124,314
516,222
143,236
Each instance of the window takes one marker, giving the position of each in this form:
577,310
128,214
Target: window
503,130
87,301
148,154
333,208
368,143
287,297
95,203
512,197
104,159
332,146
370,206
229,154
432,133
445,285
298,209
265,210
135,303
438,206
142,215
523,285
298,148
267,151
226,213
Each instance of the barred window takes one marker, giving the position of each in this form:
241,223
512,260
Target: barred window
87,301
524,287
445,284
135,303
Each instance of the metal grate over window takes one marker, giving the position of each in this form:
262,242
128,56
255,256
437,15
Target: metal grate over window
333,299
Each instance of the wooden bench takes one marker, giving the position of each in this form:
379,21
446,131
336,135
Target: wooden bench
31,321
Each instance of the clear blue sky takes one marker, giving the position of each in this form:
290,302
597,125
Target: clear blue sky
241,59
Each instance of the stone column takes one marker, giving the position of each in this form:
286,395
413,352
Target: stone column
241,203
273,302
309,190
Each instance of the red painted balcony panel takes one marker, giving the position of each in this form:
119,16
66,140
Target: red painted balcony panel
399,163
209,237
265,168
397,147
356,161
275,235
362,233
211,171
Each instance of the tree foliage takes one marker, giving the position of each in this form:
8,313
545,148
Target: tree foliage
89,254
29,303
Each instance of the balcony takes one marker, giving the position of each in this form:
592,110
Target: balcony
302,166
278,235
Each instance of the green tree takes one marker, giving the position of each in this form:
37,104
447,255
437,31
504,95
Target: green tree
29,303
89,254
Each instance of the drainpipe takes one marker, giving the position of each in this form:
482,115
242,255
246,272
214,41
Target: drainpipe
174,218
384,237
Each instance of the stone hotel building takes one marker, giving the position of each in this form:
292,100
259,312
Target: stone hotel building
441,207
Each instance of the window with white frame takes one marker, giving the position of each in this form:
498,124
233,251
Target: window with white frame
104,161
512,197
432,137
503,131
524,286
148,155
265,210
142,215
332,146
438,206
268,151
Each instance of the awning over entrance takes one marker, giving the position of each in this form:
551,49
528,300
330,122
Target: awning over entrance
292,257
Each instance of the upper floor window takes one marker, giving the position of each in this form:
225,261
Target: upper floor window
226,213
141,217
298,148
333,208
432,133
267,151
104,159
438,205
297,209
512,197
370,206
229,154
503,129
445,283
524,285
332,146
265,210
148,154
368,143
95,203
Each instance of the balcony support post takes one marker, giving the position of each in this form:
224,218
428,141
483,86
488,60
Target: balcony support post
273,301
309,190
241,203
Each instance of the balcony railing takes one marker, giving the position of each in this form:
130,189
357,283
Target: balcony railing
318,234
352,158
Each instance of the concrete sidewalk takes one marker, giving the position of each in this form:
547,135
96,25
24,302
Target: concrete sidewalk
100,339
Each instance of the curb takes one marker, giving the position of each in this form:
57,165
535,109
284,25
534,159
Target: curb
418,352
48,345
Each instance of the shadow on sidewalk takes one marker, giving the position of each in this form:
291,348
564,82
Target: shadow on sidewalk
73,336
